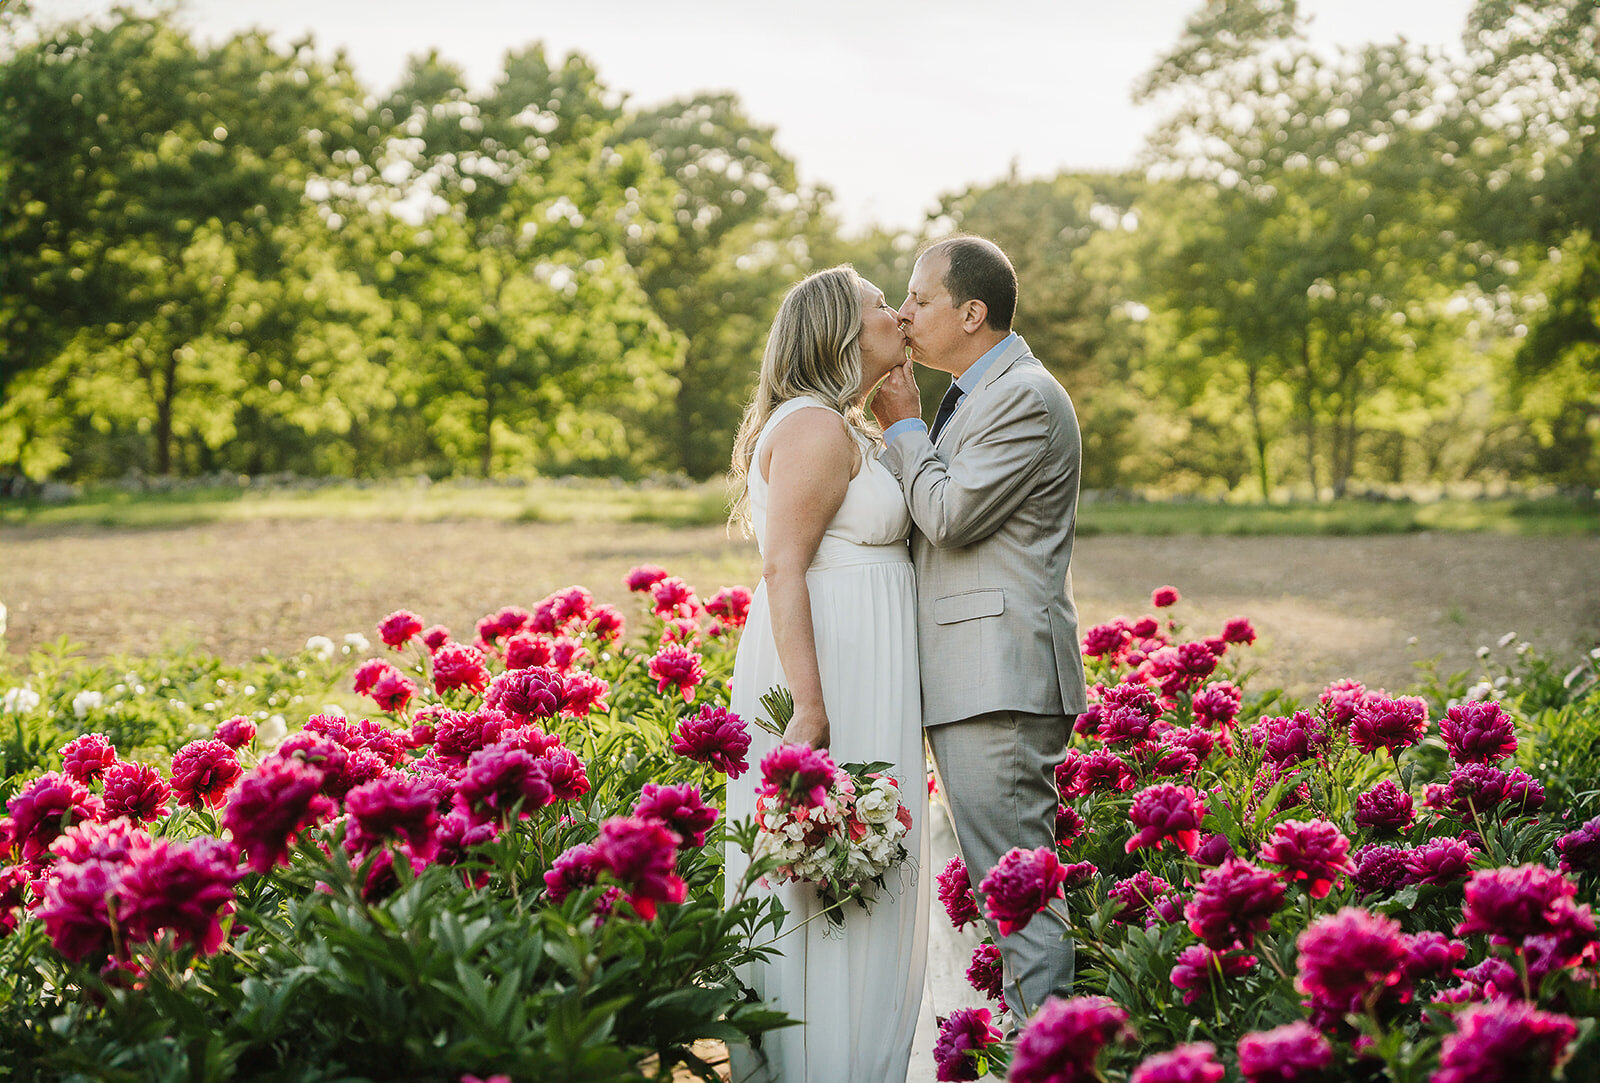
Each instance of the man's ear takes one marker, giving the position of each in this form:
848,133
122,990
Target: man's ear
974,314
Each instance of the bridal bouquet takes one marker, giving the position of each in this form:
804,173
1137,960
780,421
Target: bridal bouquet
837,826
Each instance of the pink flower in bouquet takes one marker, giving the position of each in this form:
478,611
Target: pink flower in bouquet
507,622
528,649
642,577
676,665
672,597
1084,773
396,806
1218,703
1107,640
270,806
236,732
1194,1063
574,869
76,909
1379,867
1438,861
1580,849
1138,895
682,808
1294,1051
986,971
964,1035
1063,1039
527,694
796,774
1239,630
567,777
1385,807
392,691
1069,825
642,855
1345,956
46,806
730,605
1342,701
1513,903
1431,955
1395,724
1312,850
955,894
1504,1040
1165,811
1163,597
85,758
714,736
1199,969
500,778
1478,732
398,628
181,887
458,666
1021,884
1289,741
434,637
136,791
607,623
1234,901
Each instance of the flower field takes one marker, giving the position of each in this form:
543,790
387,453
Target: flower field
509,863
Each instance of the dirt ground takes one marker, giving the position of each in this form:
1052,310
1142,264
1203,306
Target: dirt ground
1325,607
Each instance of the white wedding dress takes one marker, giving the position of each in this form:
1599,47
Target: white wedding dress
857,989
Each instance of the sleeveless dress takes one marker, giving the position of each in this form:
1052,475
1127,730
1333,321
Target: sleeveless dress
857,989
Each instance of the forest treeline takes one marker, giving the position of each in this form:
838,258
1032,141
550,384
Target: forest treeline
1330,271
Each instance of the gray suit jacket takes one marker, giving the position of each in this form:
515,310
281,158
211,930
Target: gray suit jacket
995,504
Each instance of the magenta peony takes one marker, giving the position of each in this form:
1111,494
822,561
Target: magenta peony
1438,861
1199,970
1165,811
714,736
270,806
84,759
682,808
1478,732
1063,1040
1347,955
1513,903
1195,1063
527,694
963,1037
1138,895
797,774
1069,825
1394,724
1288,741
730,605
1162,597
1217,704
1379,868
458,666
1106,640
184,888
1312,850
607,624
236,732
1385,807
584,694
1504,1040
1239,630
136,791
1021,884
1084,773
501,778
395,806
955,894
1580,849
986,971
642,577
574,869
1294,1051
674,665
398,628
641,854
1234,901
1341,700
76,909
43,808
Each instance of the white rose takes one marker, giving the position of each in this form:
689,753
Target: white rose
86,701
321,646
877,806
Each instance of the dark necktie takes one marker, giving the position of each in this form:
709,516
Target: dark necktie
947,406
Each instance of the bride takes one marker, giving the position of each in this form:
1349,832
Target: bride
834,621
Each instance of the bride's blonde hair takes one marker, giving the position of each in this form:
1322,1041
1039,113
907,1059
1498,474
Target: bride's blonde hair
814,348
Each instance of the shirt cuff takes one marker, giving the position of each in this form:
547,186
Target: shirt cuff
900,428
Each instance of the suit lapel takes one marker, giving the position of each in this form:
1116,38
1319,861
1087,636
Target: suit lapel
1015,352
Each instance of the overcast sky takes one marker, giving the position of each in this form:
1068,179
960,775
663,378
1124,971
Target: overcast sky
887,102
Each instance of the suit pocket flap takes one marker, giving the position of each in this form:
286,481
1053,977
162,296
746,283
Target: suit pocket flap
956,608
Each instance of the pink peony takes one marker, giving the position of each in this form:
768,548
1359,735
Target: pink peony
434,637
184,888
567,777
955,894
572,606
507,622
714,736
1478,732
84,759
796,774
236,732
270,806
136,791
1239,630
395,806
1195,1063
641,854
1234,901
584,694
676,665
458,666
1291,740
1291,1052
1084,773
1511,904
644,576
457,735
1199,971
1438,861
672,597
1379,868
1165,811
1312,850
1580,849
964,1036
392,691
1342,700
682,808
1385,807
1062,1041
76,909
397,629
1021,884
576,868
1163,597
1395,724
528,649
43,808
607,623
1480,788
368,673
730,605
14,880
1431,955
458,833
501,778
527,694
117,842
1138,895
1107,640
1069,825
1504,1040
1347,955
1079,874
986,971
1217,704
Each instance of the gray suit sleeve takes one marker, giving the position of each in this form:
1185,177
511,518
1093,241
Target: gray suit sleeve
969,498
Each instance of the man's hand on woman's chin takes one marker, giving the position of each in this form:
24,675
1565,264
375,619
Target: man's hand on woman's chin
897,397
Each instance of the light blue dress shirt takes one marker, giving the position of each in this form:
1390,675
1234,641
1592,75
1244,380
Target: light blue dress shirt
968,380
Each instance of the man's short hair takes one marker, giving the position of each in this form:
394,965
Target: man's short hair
979,271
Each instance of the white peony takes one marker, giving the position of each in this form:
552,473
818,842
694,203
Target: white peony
20,700
878,805
355,641
321,646
87,701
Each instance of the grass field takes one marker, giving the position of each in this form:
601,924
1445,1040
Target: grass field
704,504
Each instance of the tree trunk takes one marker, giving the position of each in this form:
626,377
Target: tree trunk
1251,377
164,416
1309,404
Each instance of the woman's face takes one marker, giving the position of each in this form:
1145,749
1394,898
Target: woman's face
882,345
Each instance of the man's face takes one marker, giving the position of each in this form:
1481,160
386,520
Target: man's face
929,317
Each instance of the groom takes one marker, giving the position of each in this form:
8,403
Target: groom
993,491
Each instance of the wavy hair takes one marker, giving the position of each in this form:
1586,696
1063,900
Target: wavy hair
814,348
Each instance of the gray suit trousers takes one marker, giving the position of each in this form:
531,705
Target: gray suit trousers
997,773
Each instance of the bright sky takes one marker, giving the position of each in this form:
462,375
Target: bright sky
887,102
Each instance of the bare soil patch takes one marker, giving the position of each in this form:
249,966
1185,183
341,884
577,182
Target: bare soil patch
1325,607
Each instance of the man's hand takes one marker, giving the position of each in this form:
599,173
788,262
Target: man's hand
897,397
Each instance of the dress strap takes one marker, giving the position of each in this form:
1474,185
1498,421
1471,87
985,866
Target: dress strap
799,402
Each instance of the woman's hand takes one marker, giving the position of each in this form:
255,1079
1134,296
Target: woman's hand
809,727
